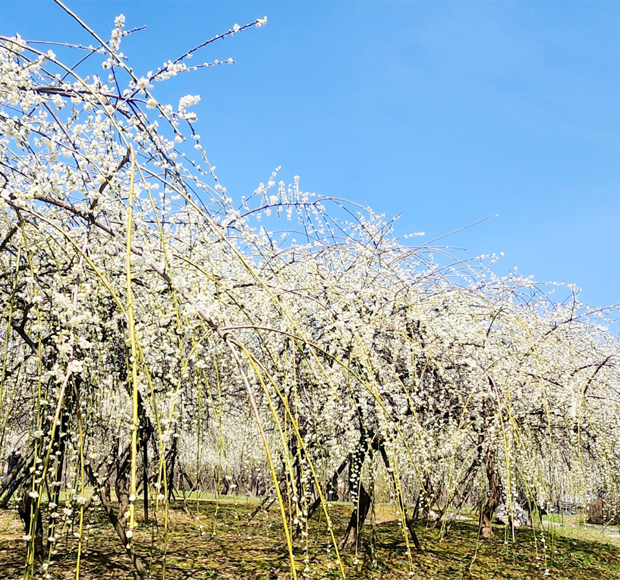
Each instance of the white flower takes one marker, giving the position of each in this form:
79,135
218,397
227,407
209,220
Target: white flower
188,101
143,83
76,366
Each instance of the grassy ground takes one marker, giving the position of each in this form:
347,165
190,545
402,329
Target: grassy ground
575,527
209,540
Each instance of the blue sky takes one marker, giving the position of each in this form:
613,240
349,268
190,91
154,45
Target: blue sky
444,112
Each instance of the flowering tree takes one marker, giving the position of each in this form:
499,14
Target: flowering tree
155,334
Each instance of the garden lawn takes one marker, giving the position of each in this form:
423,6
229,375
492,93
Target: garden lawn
211,540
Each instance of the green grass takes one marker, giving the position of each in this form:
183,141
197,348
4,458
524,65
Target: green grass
214,540
575,527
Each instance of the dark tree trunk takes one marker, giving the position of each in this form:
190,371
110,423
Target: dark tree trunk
493,498
463,487
372,549
408,521
410,526
171,463
360,495
225,486
104,495
144,441
331,492
351,536
14,479
27,511
121,487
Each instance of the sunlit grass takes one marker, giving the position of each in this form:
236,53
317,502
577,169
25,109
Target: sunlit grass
215,539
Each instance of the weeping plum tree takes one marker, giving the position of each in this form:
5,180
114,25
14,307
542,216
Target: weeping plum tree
156,335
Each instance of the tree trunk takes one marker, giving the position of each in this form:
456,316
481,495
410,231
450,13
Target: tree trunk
27,510
401,504
410,526
171,464
463,486
351,536
104,496
144,440
121,487
493,497
14,479
373,523
331,491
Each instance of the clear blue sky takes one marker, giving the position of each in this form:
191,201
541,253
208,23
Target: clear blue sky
444,112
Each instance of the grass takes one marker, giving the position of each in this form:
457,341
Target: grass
214,540
574,526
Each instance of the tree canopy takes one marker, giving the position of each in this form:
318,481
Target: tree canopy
158,334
